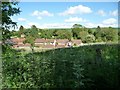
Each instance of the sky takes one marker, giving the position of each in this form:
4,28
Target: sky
66,14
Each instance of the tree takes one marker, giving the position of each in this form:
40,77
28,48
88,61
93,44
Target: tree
89,38
21,28
63,34
76,30
83,35
8,9
30,36
77,26
21,31
109,34
46,34
98,32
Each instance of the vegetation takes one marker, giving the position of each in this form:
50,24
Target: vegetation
87,35
63,68
8,9
81,67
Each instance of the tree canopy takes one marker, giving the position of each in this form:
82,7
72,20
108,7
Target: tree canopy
9,9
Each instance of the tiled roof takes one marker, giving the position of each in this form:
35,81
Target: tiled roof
16,40
62,40
39,40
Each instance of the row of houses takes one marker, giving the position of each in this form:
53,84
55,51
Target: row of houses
46,43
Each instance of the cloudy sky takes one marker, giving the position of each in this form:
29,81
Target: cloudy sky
65,14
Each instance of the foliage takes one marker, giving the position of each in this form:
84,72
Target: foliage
90,39
63,34
63,68
9,9
83,35
77,28
77,32
30,36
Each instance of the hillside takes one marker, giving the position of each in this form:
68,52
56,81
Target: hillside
95,66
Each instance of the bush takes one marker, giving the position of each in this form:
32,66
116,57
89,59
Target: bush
80,67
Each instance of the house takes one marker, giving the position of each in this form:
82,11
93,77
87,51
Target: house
42,41
17,40
62,41
46,43
76,42
22,46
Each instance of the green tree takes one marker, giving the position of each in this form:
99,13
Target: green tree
97,33
76,30
21,31
109,34
83,35
46,34
8,9
90,39
63,34
77,26
30,36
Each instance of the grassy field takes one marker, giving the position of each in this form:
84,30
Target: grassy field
91,66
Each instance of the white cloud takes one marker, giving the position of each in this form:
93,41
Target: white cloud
114,13
35,13
75,20
39,18
110,21
92,25
41,13
49,25
102,13
80,9
57,25
67,25
21,19
105,23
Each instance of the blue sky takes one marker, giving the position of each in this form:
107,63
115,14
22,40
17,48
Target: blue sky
65,14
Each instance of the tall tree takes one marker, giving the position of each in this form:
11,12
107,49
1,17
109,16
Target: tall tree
21,31
76,30
8,9
77,26
21,28
31,35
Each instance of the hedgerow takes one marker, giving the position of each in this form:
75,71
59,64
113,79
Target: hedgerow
93,66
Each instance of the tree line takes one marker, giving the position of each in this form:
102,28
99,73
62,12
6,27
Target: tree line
87,35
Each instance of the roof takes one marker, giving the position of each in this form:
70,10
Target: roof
39,40
21,45
46,46
62,40
17,39
60,46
